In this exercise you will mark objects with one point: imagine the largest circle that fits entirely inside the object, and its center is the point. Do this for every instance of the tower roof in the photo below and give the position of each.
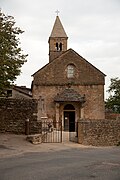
(58, 30)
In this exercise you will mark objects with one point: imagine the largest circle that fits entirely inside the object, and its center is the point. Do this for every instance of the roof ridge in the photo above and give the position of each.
(70, 49)
(50, 62)
(87, 61)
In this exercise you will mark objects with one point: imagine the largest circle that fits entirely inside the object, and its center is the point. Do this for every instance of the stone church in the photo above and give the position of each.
(69, 88)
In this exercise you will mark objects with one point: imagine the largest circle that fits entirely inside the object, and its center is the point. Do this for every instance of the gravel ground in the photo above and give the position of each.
(12, 145)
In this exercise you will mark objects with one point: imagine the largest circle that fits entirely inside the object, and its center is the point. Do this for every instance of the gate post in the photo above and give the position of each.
(77, 129)
(57, 105)
(61, 129)
(27, 127)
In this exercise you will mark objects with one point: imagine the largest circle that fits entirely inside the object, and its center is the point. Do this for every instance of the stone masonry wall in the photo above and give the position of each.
(55, 73)
(15, 112)
(94, 106)
(109, 115)
(99, 132)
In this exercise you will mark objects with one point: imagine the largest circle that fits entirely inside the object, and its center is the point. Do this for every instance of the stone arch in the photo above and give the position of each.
(69, 107)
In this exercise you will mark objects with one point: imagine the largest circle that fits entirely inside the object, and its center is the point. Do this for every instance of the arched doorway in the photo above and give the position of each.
(69, 118)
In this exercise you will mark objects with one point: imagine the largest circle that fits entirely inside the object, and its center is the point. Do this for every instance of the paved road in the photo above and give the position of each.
(67, 164)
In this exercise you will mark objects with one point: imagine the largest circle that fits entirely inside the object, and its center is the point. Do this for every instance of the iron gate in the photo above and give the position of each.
(73, 132)
(51, 132)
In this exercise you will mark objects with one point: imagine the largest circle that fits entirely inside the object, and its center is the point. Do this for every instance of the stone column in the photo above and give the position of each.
(82, 113)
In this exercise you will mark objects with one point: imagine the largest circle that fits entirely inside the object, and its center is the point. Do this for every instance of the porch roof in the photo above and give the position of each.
(69, 95)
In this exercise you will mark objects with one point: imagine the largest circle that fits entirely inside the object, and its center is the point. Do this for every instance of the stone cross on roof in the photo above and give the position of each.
(57, 12)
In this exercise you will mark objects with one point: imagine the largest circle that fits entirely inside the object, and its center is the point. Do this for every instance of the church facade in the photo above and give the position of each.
(68, 88)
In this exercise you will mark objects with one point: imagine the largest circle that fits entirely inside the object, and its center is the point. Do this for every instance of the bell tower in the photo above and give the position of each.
(57, 40)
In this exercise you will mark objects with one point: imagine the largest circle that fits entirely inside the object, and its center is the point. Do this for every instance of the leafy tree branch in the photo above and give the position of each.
(11, 56)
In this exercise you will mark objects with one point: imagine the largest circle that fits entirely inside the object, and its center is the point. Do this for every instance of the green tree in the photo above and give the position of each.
(11, 56)
(113, 102)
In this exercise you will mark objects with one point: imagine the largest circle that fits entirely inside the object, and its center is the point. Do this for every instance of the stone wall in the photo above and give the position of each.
(53, 79)
(99, 132)
(109, 115)
(55, 73)
(94, 106)
(15, 112)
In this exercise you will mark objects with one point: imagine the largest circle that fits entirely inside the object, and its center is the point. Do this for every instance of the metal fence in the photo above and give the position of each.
(51, 132)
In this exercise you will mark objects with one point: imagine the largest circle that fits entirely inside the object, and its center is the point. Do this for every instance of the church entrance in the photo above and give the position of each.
(69, 118)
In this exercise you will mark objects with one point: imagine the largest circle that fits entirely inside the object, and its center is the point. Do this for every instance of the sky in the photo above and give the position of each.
(92, 27)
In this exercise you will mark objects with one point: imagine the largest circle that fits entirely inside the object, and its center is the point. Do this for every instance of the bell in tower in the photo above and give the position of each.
(57, 40)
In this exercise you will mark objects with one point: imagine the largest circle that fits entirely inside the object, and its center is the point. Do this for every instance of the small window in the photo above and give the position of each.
(58, 46)
(9, 93)
(70, 71)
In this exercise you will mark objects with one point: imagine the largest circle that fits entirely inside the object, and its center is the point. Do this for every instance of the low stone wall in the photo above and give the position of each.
(109, 115)
(15, 112)
(99, 132)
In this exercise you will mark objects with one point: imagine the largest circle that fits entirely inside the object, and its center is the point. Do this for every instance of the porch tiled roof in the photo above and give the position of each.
(69, 95)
